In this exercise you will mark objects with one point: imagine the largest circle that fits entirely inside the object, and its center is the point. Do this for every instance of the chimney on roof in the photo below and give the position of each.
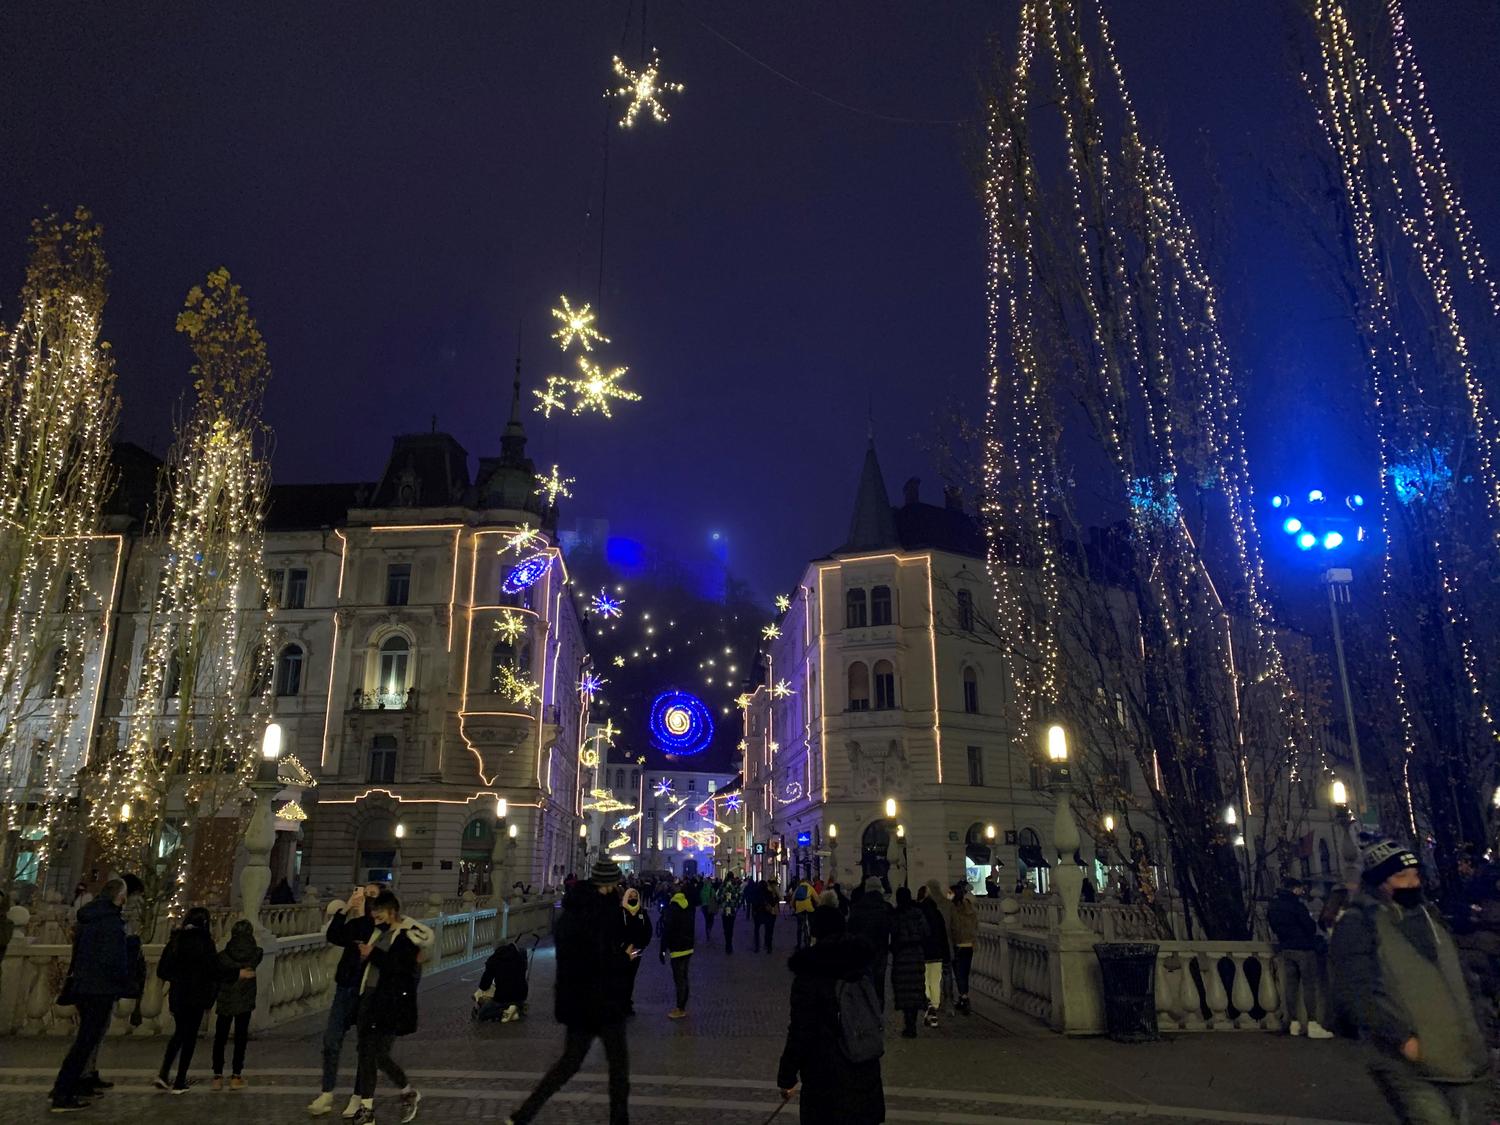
(953, 498)
(910, 489)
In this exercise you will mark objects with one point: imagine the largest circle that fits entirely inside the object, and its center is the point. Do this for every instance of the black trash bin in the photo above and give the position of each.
(1128, 971)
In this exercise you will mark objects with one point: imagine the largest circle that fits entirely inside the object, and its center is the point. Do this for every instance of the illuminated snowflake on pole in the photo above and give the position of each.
(520, 691)
(554, 486)
(577, 324)
(783, 603)
(605, 606)
(743, 745)
(590, 684)
(595, 387)
(742, 701)
(771, 632)
(732, 802)
(510, 626)
(550, 400)
(642, 88)
(663, 787)
(782, 690)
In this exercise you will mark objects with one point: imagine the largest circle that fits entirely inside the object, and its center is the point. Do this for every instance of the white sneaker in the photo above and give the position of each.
(1294, 1028)
(511, 1014)
(352, 1108)
(1316, 1031)
(322, 1105)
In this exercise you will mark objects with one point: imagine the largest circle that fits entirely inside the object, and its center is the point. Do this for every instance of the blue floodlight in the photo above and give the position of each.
(1281, 501)
(1316, 496)
(1355, 501)
(1332, 540)
(1292, 525)
(1307, 540)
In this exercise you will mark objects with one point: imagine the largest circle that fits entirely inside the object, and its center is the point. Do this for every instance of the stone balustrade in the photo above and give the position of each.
(1217, 986)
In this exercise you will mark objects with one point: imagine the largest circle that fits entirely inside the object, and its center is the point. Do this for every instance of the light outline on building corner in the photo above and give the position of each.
(333, 652)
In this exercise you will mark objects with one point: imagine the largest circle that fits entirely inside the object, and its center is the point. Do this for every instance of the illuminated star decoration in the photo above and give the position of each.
(642, 89)
(510, 626)
(782, 690)
(607, 732)
(605, 606)
(596, 386)
(732, 802)
(590, 758)
(590, 684)
(743, 745)
(518, 690)
(550, 400)
(522, 539)
(783, 603)
(619, 662)
(641, 761)
(742, 701)
(554, 486)
(663, 787)
(771, 632)
(577, 324)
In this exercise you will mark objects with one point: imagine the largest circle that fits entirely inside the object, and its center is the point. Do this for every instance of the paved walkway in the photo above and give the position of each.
(720, 1063)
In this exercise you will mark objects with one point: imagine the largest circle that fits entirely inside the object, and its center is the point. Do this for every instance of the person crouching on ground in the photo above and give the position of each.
(677, 947)
(388, 1002)
(1400, 977)
(238, 961)
(592, 991)
(350, 927)
(190, 964)
(835, 1036)
(637, 925)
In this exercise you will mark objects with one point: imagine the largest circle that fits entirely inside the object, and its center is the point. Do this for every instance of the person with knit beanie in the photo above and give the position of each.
(1398, 974)
(238, 961)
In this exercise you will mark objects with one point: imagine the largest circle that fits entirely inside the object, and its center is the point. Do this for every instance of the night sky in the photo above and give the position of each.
(404, 190)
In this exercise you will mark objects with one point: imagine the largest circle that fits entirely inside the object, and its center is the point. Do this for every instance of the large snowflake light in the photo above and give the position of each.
(782, 690)
(663, 787)
(732, 802)
(510, 626)
(783, 603)
(518, 689)
(595, 387)
(642, 89)
(605, 606)
(619, 662)
(771, 632)
(577, 324)
(589, 685)
(550, 400)
(522, 539)
(554, 486)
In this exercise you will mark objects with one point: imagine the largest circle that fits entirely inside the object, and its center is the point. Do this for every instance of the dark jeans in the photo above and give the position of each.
(909, 1020)
(708, 924)
(93, 1022)
(804, 928)
(241, 1025)
(185, 1026)
(877, 967)
(575, 1050)
(375, 1053)
(766, 922)
(1416, 1101)
(963, 958)
(635, 971)
(340, 1020)
(680, 979)
(728, 932)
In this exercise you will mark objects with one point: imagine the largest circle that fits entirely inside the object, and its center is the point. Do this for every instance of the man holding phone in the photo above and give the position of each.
(349, 928)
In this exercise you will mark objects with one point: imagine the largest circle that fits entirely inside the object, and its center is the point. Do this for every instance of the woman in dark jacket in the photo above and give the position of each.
(637, 925)
(833, 1088)
(909, 936)
(238, 961)
(190, 964)
(388, 1002)
(936, 952)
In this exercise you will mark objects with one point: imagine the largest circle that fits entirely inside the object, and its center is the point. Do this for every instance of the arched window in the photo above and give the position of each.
(289, 671)
(966, 611)
(499, 659)
(395, 662)
(619, 779)
(383, 758)
(854, 604)
(885, 685)
(880, 605)
(635, 778)
(971, 692)
(859, 687)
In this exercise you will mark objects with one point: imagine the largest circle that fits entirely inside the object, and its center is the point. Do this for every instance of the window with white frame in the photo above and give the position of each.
(971, 691)
(885, 685)
(880, 606)
(398, 584)
(394, 670)
(859, 687)
(289, 671)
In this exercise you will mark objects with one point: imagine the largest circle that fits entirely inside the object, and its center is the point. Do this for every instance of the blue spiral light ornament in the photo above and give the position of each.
(680, 724)
(526, 573)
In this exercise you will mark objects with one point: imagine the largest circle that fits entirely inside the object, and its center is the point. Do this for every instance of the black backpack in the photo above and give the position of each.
(861, 1035)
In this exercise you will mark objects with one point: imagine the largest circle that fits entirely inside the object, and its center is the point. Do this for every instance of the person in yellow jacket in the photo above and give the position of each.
(677, 945)
(804, 902)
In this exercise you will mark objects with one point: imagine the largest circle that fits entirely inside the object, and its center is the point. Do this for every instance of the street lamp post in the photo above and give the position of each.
(1065, 838)
(499, 850)
(1338, 579)
(833, 853)
(905, 862)
(260, 835)
(1348, 846)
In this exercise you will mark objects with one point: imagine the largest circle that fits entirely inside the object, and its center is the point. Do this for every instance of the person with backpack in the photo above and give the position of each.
(870, 918)
(677, 947)
(388, 1003)
(729, 908)
(767, 906)
(98, 975)
(835, 1036)
(238, 961)
(909, 938)
(637, 926)
(708, 902)
(964, 933)
(937, 954)
(804, 902)
(349, 927)
(190, 965)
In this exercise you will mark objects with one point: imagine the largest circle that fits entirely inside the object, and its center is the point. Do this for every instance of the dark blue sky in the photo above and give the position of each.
(399, 187)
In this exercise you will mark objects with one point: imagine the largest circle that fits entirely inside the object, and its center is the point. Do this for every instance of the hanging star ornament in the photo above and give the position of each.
(605, 606)
(577, 324)
(590, 684)
(643, 88)
(554, 486)
(595, 387)
(783, 603)
(771, 632)
(619, 662)
(522, 540)
(742, 701)
(782, 690)
(517, 689)
(549, 399)
(510, 626)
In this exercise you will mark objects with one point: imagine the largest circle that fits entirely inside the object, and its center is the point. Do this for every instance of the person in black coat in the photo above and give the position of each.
(909, 938)
(637, 925)
(833, 1088)
(190, 964)
(592, 991)
(98, 975)
(349, 927)
(870, 918)
(1299, 943)
(388, 1002)
(936, 951)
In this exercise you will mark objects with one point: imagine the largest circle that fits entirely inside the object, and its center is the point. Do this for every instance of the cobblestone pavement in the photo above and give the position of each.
(720, 1063)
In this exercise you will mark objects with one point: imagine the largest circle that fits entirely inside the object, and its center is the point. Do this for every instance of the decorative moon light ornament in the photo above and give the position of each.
(526, 573)
(680, 723)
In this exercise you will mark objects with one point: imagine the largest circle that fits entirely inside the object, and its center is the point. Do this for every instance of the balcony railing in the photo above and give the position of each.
(380, 700)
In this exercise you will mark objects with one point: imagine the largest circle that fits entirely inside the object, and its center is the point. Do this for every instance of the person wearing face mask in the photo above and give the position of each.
(637, 936)
(1400, 978)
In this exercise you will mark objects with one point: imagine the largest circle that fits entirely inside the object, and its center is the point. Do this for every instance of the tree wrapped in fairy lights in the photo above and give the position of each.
(57, 416)
(203, 687)
(1426, 309)
(1112, 402)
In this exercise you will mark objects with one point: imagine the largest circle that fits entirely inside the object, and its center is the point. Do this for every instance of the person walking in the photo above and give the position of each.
(190, 965)
(768, 905)
(936, 951)
(804, 902)
(637, 929)
(1299, 943)
(909, 937)
(349, 927)
(591, 998)
(98, 975)
(677, 947)
(238, 961)
(1400, 977)
(870, 919)
(964, 932)
(729, 909)
(392, 958)
(708, 902)
(823, 1031)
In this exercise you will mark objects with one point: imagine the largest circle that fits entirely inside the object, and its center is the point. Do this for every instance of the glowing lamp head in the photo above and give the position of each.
(833, 831)
(1109, 824)
(1291, 525)
(270, 742)
(1340, 793)
(502, 808)
(400, 831)
(1316, 496)
(1057, 743)
(900, 831)
(1307, 541)
(1495, 800)
(1355, 501)
(989, 831)
(583, 831)
(513, 831)
(1230, 816)
(1332, 540)
(890, 806)
(125, 813)
(1280, 501)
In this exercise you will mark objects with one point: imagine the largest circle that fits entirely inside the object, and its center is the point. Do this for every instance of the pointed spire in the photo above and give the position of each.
(873, 523)
(513, 442)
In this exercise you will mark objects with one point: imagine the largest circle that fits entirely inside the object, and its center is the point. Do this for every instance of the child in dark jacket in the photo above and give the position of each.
(238, 961)
(190, 964)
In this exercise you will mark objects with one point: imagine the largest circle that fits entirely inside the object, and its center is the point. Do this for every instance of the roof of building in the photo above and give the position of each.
(872, 524)
(914, 526)
(303, 506)
(424, 471)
